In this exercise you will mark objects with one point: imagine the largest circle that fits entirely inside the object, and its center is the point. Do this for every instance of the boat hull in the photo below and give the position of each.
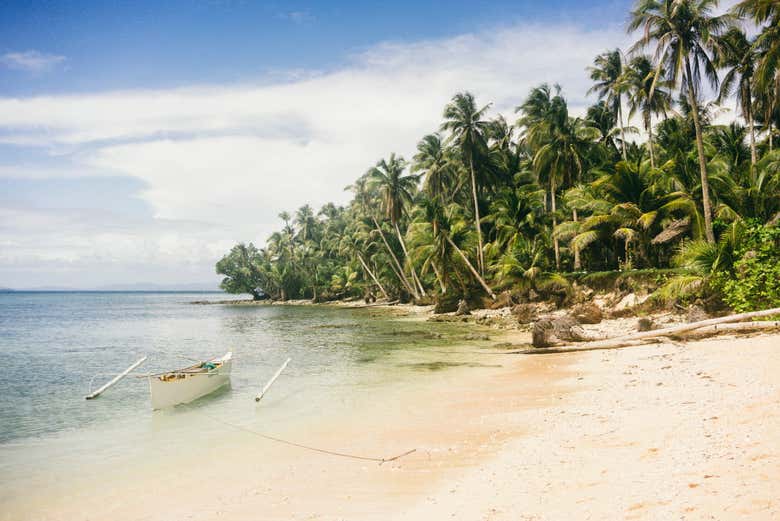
(187, 387)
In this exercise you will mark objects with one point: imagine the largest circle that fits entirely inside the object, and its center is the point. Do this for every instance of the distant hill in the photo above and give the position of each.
(149, 286)
(140, 286)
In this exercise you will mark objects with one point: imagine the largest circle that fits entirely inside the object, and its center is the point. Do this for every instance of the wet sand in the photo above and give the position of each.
(665, 431)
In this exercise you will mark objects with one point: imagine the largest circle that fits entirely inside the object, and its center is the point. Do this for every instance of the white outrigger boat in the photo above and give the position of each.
(185, 385)
(188, 384)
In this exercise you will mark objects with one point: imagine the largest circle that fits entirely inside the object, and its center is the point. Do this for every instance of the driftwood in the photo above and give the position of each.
(547, 331)
(713, 325)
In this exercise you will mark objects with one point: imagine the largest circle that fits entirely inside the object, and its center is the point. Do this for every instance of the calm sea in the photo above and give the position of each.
(53, 344)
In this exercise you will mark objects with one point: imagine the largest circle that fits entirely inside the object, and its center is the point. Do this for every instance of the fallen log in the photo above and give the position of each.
(627, 340)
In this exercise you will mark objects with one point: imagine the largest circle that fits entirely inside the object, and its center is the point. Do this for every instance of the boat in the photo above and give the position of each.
(190, 383)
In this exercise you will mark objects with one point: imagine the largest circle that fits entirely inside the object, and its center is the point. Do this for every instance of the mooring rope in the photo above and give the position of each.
(300, 445)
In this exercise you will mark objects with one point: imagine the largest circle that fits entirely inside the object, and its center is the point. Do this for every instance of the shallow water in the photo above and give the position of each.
(52, 344)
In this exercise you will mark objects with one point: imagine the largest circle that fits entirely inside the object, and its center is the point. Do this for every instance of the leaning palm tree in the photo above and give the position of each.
(396, 191)
(468, 127)
(646, 95)
(363, 201)
(607, 72)
(738, 56)
(684, 32)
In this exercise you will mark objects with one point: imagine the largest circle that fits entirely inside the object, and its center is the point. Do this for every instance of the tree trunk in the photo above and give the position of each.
(480, 260)
(705, 182)
(406, 254)
(473, 271)
(400, 271)
(577, 264)
(751, 127)
(619, 341)
(555, 223)
(371, 274)
(650, 139)
(622, 129)
(439, 277)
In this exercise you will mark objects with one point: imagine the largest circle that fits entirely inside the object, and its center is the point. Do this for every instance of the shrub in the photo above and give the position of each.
(754, 283)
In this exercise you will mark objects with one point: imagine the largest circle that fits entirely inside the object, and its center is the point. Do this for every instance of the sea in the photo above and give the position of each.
(57, 346)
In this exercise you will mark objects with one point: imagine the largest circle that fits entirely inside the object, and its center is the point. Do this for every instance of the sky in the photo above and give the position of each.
(140, 140)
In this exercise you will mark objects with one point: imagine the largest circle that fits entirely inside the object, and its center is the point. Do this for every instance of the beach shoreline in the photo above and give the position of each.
(658, 431)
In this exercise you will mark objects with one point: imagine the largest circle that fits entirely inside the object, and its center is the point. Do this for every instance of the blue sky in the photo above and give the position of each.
(139, 140)
(141, 44)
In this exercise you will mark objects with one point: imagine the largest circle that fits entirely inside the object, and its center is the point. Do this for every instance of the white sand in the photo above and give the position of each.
(653, 432)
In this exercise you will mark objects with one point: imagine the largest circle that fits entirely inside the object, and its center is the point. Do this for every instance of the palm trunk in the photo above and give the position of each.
(473, 271)
(411, 266)
(628, 259)
(399, 271)
(650, 139)
(480, 260)
(577, 264)
(371, 274)
(439, 277)
(622, 130)
(555, 223)
(751, 128)
(705, 183)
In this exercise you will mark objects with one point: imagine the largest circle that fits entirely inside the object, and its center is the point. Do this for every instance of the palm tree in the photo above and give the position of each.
(646, 95)
(560, 143)
(363, 200)
(465, 121)
(684, 33)
(306, 223)
(432, 160)
(768, 41)
(738, 56)
(397, 192)
(602, 117)
(607, 72)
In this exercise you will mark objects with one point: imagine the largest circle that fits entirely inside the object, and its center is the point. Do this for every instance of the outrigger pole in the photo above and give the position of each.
(116, 380)
(272, 380)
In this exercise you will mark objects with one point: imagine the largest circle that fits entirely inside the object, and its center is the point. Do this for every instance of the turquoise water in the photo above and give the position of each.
(53, 344)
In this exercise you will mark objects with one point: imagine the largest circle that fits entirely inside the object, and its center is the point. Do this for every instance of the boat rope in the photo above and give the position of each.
(300, 445)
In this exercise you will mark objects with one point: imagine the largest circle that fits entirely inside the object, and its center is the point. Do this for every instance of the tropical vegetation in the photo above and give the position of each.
(487, 204)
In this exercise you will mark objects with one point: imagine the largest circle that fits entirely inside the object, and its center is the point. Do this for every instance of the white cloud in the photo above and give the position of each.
(236, 155)
(298, 17)
(31, 61)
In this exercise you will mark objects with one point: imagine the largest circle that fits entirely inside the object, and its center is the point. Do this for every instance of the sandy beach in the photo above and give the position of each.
(662, 431)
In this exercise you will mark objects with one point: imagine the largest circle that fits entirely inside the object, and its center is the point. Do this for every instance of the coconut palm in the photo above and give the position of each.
(647, 95)
(738, 56)
(684, 32)
(306, 222)
(435, 163)
(468, 128)
(363, 200)
(560, 143)
(396, 191)
(607, 72)
(766, 13)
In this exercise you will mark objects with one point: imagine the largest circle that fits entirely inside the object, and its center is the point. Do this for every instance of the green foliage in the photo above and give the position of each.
(488, 205)
(754, 283)
(242, 270)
